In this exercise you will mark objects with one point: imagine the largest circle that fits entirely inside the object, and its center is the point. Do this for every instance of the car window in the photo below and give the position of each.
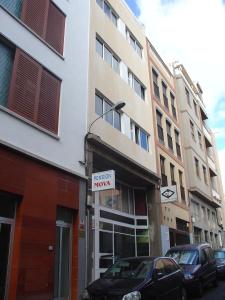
(169, 266)
(219, 254)
(184, 257)
(204, 257)
(160, 267)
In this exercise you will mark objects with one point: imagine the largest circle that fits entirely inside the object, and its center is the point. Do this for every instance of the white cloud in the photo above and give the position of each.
(222, 166)
(190, 31)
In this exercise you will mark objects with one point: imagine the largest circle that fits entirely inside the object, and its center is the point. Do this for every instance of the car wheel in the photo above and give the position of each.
(183, 294)
(199, 290)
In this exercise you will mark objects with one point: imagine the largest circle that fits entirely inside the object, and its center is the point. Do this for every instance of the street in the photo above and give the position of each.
(212, 293)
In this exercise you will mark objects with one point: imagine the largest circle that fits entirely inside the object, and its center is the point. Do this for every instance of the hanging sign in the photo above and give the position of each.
(103, 181)
(168, 193)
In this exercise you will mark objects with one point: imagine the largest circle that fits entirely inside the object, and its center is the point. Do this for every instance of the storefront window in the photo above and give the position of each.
(106, 198)
(124, 245)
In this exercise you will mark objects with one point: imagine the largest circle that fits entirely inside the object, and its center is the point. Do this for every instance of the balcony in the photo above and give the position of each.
(164, 181)
(156, 90)
(170, 142)
(182, 193)
(178, 150)
(160, 134)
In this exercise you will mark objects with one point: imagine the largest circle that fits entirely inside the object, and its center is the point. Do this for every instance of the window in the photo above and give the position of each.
(155, 83)
(165, 99)
(139, 136)
(182, 190)
(48, 23)
(169, 137)
(159, 126)
(197, 167)
(113, 117)
(172, 168)
(133, 42)
(196, 108)
(173, 107)
(34, 93)
(188, 96)
(200, 139)
(108, 55)
(205, 174)
(177, 139)
(192, 130)
(110, 13)
(136, 85)
(163, 171)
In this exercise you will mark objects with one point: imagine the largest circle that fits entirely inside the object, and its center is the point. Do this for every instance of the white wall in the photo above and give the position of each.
(67, 149)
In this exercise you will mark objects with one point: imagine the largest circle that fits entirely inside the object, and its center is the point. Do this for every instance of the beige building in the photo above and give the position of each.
(175, 218)
(201, 163)
(123, 221)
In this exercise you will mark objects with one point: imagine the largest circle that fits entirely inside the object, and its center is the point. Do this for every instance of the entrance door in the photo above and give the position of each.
(5, 238)
(62, 261)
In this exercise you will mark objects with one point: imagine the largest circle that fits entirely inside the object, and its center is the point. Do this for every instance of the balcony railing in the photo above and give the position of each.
(156, 90)
(182, 193)
(164, 180)
(178, 150)
(170, 142)
(160, 133)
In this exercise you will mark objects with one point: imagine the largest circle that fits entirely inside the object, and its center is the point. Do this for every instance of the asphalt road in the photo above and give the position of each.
(212, 293)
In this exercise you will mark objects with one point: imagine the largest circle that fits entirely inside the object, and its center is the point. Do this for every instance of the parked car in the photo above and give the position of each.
(139, 278)
(220, 262)
(198, 264)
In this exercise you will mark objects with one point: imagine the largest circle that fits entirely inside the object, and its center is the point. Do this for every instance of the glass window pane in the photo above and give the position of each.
(116, 65)
(131, 201)
(107, 56)
(6, 64)
(100, 3)
(99, 47)
(14, 6)
(117, 121)
(109, 115)
(106, 198)
(125, 199)
(7, 205)
(64, 214)
(137, 87)
(144, 140)
(142, 93)
(117, 201)
(124, 245)
(105, 242)
(98, 105)
(107, 9)
(132, 42)
(114, 19)
(137, 135)
(139, 50)
(142, 244)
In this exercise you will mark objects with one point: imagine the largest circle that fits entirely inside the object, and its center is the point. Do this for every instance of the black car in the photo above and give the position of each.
(139, 278)
(198, 264)
(220, 262)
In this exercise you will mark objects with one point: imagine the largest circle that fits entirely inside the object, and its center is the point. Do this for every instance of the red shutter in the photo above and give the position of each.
(48, 109)
(35, 15)
(24, 87)
(55, 28)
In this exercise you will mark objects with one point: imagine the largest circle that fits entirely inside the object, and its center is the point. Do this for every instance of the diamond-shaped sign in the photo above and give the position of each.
(169, 193)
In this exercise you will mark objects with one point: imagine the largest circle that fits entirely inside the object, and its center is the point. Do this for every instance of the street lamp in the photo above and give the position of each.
(117, 106)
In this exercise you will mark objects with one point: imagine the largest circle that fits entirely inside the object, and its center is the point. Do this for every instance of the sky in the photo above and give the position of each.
(192, 32)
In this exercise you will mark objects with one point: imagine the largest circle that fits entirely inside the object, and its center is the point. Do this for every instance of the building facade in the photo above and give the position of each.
(123, 221)
(175, 217)
(201, 163)
(42, 124)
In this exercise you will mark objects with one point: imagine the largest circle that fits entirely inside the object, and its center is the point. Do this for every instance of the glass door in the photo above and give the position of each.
(62, 261)
(5, 238)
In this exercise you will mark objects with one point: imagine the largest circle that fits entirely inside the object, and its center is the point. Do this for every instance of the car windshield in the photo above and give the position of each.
(129, 268)
(219, 254)
(184, 257)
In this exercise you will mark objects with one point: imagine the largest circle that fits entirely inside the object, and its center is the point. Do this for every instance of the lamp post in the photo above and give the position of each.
(88, 162)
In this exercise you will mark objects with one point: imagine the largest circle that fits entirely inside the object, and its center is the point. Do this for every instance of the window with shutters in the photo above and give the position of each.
(28, 89)
(43, 17)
